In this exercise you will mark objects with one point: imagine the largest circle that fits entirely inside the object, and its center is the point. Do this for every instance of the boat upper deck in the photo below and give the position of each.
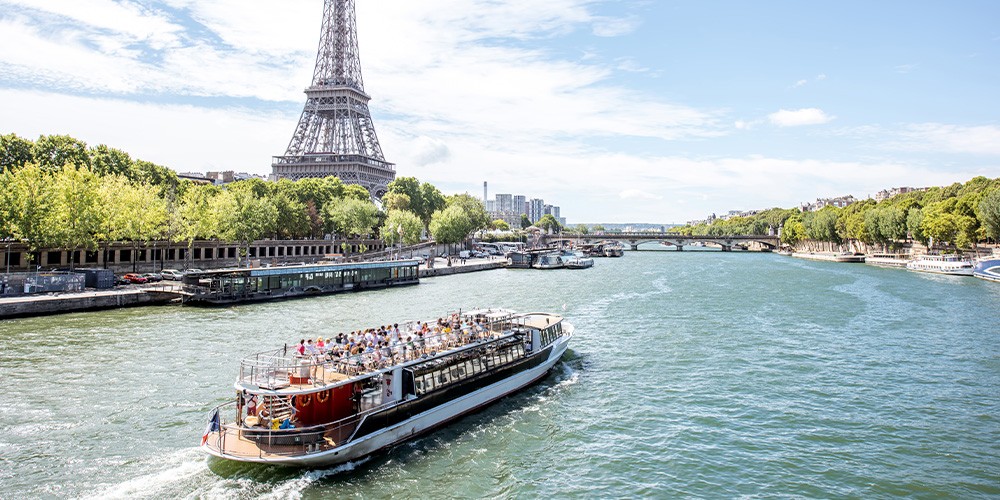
(309, 367)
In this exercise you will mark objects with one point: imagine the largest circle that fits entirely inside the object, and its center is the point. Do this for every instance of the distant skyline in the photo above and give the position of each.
(618, 111)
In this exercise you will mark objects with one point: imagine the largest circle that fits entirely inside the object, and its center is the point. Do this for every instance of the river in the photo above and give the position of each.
(690, 374)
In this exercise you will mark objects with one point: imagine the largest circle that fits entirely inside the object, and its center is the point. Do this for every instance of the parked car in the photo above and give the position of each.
(120, 281)
(135, 279)
(152, 277)
(193, 271)
(171, 274)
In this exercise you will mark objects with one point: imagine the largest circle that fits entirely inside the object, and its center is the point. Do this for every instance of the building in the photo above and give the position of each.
(535, 209)
(885, 194)
(821, 203)
(505, 203)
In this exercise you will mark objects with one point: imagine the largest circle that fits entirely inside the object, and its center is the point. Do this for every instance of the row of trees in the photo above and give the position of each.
(960, 214)
(58, 193)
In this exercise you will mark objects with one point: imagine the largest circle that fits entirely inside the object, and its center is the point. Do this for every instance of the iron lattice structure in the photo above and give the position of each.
(335, 135)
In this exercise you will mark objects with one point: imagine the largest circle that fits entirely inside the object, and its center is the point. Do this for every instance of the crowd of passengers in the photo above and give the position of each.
(375, 348)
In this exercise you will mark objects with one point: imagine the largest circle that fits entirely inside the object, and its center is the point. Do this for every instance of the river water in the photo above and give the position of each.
(691, 374)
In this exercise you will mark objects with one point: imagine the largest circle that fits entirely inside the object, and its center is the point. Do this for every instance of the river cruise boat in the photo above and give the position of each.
(941, 264)
(321, 409)
(988, 268)
(887, 259)
(229, 286)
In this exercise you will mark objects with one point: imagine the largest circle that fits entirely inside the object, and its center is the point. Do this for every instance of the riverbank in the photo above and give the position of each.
(134, 296)
(43, 305)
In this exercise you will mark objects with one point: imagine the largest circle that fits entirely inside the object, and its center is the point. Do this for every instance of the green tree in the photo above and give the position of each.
(109, 161)
(27, 204)
(53, 152)
(988, 213)
(75, 218)
(351, 216)
(197, 217)
(402, 226)
(425, 199)
(914, 224)
(822, 225)
(478, 218)
(548, 222)
(243, 218)
(525, 221)
(793, 231)
(133, 213)
(582, 229)
(144, 172)
(293, 220)
(500, 225)
(451, 225)
(598, 229)
(15, 152)
(396, 201)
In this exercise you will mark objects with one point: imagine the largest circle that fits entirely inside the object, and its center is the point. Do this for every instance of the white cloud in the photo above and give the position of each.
(637, 194)
(615, 26)
(905, 68)
(800, 83)
(983, 139)
(820, 77)
(798, 117)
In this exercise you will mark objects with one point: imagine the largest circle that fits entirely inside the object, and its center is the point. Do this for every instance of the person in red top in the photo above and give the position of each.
(301, 349)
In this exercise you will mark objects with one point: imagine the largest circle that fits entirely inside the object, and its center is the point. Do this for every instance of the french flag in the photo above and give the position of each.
(213, 426)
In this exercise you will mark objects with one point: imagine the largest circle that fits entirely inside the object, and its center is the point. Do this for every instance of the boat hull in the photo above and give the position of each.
(419, 424)
(988, 269)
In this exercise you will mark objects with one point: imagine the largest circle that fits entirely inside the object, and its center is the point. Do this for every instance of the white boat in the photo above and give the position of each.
(321, 410)
(988, 268)
(888, 259)
(551, 260)
(941, 264)
(578, 262)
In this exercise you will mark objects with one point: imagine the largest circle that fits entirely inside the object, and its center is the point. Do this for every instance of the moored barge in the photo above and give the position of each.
(324, 409)
(230, 286)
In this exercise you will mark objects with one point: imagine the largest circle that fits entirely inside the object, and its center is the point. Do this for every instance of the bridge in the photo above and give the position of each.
(759, 242)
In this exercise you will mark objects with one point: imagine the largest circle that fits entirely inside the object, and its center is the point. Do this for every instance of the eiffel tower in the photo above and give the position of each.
(335, 135)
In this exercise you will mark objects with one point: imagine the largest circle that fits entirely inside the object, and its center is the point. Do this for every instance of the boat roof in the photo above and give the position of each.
(307, 268)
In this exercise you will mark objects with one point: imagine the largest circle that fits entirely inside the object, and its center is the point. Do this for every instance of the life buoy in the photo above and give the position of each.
(322, 397)
(304, 400)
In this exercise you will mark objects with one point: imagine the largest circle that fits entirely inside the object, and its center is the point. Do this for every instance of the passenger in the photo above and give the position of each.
(311, 348)
(320, 345)
(302, 347)
(252, 405)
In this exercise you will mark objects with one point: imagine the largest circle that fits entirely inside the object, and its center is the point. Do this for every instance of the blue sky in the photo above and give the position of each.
(618, 111)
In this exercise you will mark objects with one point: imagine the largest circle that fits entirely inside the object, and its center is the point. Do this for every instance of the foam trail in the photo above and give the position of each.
(185, 464)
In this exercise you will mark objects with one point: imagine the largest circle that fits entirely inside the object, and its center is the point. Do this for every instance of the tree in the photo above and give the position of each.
(582, 229)
(356, 192)
(76, 212)
(133, 213)
(15, 152)
(793, 231)
(451, 225)
(548, 222)
(478, 218)
(402, 226)
(197, 216)
(26, 204)
(292, 221)
(396, 201)
(598, 229)
(500, 225)
(109, 161)
(243, 218)
(525, 221)
(53, 152)
(914, 224)
(988, 213)
(351, 216)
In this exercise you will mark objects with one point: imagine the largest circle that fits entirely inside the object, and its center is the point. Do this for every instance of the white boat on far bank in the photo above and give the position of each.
(888, 259)
(942, 264)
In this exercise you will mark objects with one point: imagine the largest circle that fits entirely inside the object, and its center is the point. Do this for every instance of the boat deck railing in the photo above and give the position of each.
(237, 439)
(282, 368)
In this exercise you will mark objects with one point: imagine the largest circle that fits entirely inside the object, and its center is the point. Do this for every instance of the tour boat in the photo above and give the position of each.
(941, 264)
(320, 410)
(551, 260)
(988, 268)
(578, 262)
(887, 259)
